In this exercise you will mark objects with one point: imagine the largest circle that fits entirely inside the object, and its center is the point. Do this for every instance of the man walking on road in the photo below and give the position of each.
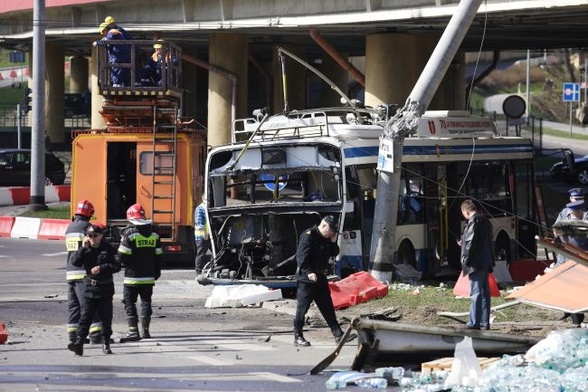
(316, 247)
(140, 254)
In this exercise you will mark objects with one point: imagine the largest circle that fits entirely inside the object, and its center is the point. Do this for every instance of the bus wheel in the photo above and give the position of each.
(405, 254)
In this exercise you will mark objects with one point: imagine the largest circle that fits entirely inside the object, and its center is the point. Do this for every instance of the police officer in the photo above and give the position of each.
(315, 248)
(74, 235)
(140, 253)
(100, 261)
(576, 194)
(576, 210)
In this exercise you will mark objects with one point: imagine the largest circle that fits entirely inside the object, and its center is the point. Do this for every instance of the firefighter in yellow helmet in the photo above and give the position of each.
(140, 254)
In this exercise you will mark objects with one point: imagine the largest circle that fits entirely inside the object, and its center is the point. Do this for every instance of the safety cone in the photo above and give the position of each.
(3, 333)
(462, 286)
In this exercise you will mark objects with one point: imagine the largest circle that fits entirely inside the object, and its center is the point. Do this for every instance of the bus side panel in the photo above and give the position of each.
(89, 173)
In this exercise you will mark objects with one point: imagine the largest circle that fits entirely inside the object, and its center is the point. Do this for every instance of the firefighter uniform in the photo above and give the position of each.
(140, 254)
(100, 261)
(74, 234)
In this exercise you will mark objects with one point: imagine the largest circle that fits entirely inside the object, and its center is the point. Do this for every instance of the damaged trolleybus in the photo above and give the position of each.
(290, 170)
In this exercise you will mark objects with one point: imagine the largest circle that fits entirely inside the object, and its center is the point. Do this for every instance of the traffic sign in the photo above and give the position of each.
(269, 181)
(571, 92)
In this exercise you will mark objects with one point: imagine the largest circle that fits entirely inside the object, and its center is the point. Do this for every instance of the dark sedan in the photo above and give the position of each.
(15, 168)
(578, 172)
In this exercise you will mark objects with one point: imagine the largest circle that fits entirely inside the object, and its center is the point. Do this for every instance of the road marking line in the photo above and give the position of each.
(54, 254)
(276, 377)
(211, 361)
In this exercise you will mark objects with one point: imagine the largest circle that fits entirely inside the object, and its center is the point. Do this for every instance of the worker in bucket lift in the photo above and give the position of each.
(140, 254)
(316, 247)
(74, 236)
(157, 65)
(117, 54)
(111, 24)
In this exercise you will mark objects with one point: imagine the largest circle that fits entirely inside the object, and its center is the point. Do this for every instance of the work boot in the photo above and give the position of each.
(96, 337)
(299, 340)
(133, 333)
(145, 321)
(72, 337)
(77, 347)
(577, 319)
(106, 346)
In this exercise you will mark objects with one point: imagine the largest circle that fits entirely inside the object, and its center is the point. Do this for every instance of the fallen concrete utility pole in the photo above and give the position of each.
(403, 124)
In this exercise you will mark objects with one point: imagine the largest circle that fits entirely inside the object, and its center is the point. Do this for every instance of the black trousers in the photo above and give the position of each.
(320, 294)
(202, 246)
(97, 303)
(75, 299)
(130, 295)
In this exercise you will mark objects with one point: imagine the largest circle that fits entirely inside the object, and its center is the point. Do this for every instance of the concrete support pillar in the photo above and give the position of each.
(189, 82)
(394, 63)
(229, 52)
(54, 90)
(97, 122)
(79, 75)
(295, 81)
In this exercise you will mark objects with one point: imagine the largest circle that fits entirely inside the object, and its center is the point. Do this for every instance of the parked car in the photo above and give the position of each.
(76, 105)
(578, 172)
(15, 168)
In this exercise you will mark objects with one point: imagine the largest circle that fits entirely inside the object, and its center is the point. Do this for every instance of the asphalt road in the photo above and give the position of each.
(193, 348)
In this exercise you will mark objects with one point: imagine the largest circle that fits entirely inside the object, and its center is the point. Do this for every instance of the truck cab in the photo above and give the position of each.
(147, 153)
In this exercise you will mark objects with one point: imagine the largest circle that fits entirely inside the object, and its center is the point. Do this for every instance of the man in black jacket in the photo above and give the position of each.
(315, 248)
(140, 254)
(100, 261)
(477, 260)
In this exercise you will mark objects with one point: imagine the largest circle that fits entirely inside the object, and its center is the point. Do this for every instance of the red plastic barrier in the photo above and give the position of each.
(355, 289)
(3, 333)
(53, 229)
(64, 192)
(526, 270)
(462, 286)
(341, 296)
(21, 196)
(6, 223)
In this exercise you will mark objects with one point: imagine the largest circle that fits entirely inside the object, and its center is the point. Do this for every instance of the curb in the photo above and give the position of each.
(22, 195)
(33, 228)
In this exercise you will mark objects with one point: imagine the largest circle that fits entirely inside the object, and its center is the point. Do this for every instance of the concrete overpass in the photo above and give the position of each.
(394, 37)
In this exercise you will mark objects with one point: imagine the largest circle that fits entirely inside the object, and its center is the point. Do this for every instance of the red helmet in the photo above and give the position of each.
(136, 211)
(85, 208)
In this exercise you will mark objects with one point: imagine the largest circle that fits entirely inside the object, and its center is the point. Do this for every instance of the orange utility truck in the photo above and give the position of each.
(147, 153)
